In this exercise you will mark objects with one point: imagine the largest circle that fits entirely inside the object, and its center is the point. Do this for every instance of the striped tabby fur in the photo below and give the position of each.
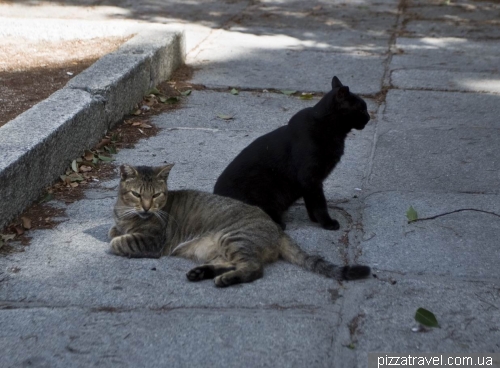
(232, 240)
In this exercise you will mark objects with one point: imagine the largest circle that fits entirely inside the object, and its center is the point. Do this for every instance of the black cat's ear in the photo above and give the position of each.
(127, 172)
(342, 93)
(163, 171)
(336, 83)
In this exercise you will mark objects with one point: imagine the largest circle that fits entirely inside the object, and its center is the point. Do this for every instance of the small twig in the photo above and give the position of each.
(448, 213)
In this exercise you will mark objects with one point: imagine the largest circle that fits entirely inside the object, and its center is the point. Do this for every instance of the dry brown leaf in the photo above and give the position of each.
(88, 155)
(103, 143)
(137, 123)
(145, 126)
(85, 168)
(73, 185)
(7, 237)
(26, 222)
(19, 230)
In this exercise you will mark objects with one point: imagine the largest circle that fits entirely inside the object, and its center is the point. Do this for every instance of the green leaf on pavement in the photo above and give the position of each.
(287, 92)
(426, 318)
(74, 166)
(186, 93)
(306, 96)
(234, 91)
(411, 214)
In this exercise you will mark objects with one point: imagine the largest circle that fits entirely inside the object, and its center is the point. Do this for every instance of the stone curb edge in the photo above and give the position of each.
(39, 144)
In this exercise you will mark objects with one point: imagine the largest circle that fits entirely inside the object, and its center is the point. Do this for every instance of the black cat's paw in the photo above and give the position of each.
(331, 225)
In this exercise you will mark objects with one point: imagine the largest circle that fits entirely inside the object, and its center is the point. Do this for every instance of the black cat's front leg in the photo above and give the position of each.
(317, 210)
(276, 217)
(136, 245)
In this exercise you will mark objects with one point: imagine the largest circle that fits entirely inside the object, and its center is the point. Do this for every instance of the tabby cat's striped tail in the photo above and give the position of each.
(292, 253)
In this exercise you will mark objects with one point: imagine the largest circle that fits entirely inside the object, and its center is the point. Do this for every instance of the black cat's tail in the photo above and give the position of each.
(292, 253)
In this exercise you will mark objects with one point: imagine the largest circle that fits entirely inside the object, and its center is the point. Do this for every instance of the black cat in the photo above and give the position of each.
(292, 161)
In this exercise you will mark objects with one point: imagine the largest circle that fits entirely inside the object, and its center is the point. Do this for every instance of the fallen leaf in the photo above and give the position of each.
(186, 93)
(172, 100)
(49, 196)
(19, 230)
(106, 158)
(137, 123)
(102, 143)
(85, 168)
(234, 91)
(111, 149)
(26, 222)
(137, 112)
(153, 91)
(7, 237)
(411, 214)
(142, 131)
(145, 126)
(73, 185)
(306, 96)
(287, 92)
(163, 99)
(225, 117)
(73, 177)
(426, 318)
(74, 166)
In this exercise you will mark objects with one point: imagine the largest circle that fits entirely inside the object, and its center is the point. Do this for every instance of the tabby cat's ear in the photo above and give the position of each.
(163, 171)
(127, 171)
(336, 83)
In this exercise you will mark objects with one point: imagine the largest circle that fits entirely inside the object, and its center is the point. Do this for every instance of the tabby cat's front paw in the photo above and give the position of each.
(113, 232)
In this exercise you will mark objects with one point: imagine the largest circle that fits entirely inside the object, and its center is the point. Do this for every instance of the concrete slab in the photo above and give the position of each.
(350, 41)
(461, 245)
(448, 53)
(461, 13)
(467, 313)
(326, 16)
(451, 28)
(409, 110)
(243, 60)
(438, 159)
(444, 80)
(74, 337)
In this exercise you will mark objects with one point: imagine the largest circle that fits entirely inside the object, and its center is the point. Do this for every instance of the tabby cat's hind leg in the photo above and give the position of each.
(245, 272)
(208, 271)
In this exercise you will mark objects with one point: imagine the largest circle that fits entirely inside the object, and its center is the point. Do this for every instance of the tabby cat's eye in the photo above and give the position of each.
(156, 195)
(135, 194)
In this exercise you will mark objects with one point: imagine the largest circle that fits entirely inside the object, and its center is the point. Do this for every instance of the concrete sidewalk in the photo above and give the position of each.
(429, 73)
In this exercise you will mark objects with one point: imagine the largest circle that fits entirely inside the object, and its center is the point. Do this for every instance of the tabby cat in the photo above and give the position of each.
(293, 161)
(232, 240)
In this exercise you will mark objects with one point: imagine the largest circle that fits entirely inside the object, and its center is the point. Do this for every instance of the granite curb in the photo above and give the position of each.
(39, 144)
